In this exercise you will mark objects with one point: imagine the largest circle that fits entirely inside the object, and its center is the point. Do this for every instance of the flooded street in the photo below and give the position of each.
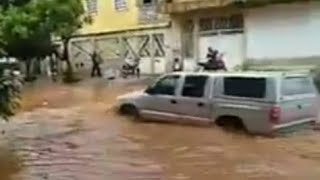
(72, 133)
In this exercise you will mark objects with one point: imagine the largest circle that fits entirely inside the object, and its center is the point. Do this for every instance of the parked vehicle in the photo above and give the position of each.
(131, 67)
(263, 102)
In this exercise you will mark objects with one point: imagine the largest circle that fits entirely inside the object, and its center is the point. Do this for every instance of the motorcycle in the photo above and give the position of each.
(214, 65)
(131, 68)
(204, 67)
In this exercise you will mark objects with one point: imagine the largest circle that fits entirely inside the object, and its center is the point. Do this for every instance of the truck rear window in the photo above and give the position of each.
(297, 85)
(245, 87)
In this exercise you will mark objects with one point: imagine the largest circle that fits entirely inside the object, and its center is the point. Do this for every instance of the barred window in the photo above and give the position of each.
(92, 6)
(147, 2)
(222, 23)
(206, 24)
(231, 22)
(120, 5)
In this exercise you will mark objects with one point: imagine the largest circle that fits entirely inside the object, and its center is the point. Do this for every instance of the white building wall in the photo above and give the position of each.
(176, 40)
(173, 43)
(283, 32)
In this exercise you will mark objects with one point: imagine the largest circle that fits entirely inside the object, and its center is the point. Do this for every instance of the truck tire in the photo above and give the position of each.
(130, 111)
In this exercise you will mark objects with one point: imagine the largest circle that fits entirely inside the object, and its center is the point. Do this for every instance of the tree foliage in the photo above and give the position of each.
(7, 3)
(10, 88)
(27, 28)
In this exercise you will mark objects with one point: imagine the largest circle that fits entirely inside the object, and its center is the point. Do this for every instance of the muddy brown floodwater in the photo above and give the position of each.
(71, 133)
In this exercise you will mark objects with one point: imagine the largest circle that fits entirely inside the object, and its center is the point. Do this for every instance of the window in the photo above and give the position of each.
(297, 85)
(245, 87)
(120, 5)
(206, 24)
(194, 86)
(231, 22)
(147, 2)
(92, 6)
(166, 86)
(225, 24)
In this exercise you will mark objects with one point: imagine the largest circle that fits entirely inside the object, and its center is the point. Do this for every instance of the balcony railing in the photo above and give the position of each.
(180, 6)
(150, 12)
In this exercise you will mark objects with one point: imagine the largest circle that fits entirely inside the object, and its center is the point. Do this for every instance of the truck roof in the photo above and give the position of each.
(256, 74)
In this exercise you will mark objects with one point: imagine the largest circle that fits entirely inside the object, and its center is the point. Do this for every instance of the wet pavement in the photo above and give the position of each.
(72, 133)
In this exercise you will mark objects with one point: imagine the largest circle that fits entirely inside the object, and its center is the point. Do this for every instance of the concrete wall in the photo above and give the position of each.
(200, 48)
(277, 34)
(283, 32)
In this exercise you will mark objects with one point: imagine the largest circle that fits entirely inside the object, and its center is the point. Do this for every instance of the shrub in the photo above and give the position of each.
(10, 89)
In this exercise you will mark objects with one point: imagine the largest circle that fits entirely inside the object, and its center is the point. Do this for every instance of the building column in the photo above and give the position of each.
(173, 42)
(196, 35)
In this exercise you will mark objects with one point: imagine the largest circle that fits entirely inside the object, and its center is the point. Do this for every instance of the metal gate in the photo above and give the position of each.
(148, 47)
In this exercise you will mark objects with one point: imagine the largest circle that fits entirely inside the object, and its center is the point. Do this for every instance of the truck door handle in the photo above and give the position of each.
(173, 101)
(200, 104)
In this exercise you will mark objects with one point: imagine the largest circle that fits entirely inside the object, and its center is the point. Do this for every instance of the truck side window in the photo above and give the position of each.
(166, 85)
(245, 87)
(297, 86)
(194, 86)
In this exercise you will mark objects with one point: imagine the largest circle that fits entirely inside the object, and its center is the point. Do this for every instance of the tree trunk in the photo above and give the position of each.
(66, 56)
(69, 74)
(28, 63)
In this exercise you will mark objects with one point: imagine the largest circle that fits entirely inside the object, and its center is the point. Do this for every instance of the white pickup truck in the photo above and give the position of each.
(263, 102)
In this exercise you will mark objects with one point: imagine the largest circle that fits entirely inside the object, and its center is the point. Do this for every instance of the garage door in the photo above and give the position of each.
(151, 51)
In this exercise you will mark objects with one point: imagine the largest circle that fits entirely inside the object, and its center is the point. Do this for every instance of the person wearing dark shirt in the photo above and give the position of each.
(214, 63)
(96, 70)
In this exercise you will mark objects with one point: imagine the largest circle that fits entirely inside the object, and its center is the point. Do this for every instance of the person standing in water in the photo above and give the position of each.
(96, 70)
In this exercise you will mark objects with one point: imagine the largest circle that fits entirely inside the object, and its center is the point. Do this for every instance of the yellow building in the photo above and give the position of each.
(123, 29)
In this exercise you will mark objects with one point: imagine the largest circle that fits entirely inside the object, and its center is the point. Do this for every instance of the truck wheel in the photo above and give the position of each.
(130, 110)
(231, 123)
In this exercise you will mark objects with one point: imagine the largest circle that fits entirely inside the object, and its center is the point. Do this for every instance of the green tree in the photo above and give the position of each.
(5, 4)
(24, 36)
(26, 30)
(27, 27)
(10, 88)
(64, 19)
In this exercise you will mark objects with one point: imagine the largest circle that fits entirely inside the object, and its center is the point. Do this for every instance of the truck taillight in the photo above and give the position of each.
(274, 115)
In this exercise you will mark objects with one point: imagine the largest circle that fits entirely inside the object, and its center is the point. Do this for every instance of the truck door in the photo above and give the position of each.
(193, 99)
